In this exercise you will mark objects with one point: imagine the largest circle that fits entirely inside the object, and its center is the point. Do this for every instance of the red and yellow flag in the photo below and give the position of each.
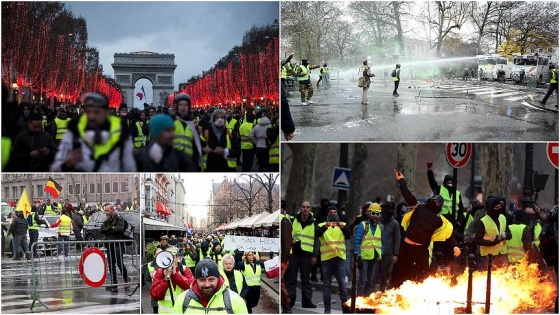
(24, 204)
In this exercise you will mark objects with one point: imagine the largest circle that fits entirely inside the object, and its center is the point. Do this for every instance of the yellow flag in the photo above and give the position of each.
(24, 204)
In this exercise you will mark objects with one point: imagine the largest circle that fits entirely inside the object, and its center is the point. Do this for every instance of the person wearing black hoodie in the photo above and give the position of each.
(304, 254)
(491, 233)
(422, 225)
(391, 243)
(221, 148)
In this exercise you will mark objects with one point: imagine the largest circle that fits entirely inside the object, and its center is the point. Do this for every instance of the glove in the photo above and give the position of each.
(503, 236)
(456, 251)
(398, 174)
(429, 164)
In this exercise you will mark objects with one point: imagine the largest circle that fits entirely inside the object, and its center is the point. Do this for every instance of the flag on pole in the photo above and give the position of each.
(24, 204)
(143, 92)
(140, 95)
(53, 188)
(189, 230)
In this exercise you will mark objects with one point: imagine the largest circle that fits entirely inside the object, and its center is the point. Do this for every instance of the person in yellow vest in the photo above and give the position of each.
(520, 242)
(252, 269)
(445, 191)
(368, 237)
(553, 85)
(332, 234)
(285, 68)
(187, 137)
(60, 125)
(221, 148)
(248, 149)
(216, 254)
(169, 283)
(491, 234)
(234, 279)
(96, 141)
(396, 78)
(49, 208)
(64, 225)
(302, 73)
(35, 222)
(190, 257)
(273, 140)
(6, 151)
(422, 225)
(209, 294)
(305, 250)
(152, 267)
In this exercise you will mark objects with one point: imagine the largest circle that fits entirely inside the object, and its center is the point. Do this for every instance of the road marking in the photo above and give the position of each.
(507, 94)
(489, 92)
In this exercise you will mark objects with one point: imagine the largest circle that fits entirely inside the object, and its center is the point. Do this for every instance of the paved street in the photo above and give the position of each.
(425, 111)
(17, 289)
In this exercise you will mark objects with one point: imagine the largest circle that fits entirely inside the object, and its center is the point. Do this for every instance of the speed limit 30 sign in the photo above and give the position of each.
(458, 154)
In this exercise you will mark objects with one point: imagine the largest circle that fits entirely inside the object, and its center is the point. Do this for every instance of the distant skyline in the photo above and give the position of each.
(197, 33)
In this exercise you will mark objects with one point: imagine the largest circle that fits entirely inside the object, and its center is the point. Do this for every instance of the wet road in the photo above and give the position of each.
(425, 111)
(17, 288)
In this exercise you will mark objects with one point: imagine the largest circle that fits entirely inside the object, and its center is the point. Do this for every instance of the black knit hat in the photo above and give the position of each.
(206, 268)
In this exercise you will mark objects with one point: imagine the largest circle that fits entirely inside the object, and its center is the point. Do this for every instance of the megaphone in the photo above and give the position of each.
(164, 259)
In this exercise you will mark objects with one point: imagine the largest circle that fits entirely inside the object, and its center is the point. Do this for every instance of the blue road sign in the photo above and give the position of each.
(341, 178)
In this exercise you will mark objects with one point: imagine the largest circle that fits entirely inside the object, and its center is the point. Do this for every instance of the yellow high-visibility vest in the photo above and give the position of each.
(490, 233)
(515, 249)
(61, 127)
(332, 243)
(371, 243)
(305, 235)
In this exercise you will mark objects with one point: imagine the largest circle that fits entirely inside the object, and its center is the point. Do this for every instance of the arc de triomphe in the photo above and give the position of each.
(158, 68)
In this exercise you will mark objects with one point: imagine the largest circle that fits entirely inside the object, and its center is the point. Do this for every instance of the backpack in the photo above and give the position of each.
(271, 136)
(128, 230)
(366, 231)
(394, 73)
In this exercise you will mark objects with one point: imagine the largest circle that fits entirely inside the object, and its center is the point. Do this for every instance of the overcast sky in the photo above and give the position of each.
(198, 33)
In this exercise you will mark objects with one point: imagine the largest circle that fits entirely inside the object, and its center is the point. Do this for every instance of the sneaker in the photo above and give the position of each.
(303, 103)
(310, 102)
(327, 312)
(311, 305)
(541, 102)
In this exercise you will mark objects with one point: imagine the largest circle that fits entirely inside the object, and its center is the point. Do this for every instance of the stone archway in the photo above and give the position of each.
(158, 68)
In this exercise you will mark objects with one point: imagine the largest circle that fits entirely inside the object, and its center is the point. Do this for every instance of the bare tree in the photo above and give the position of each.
(268, 181)
(249, 188)
(359, 161)
(302, 176)
(406, 164)
(442, 18)
(481, 15)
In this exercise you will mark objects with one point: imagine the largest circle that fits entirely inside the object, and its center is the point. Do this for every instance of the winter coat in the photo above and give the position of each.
(258, 134)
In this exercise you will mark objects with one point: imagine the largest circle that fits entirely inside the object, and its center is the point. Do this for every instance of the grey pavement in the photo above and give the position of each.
(426, 111)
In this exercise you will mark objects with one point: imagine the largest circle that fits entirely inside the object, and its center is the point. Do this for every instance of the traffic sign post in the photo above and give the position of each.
(341, 178)
(458, 155)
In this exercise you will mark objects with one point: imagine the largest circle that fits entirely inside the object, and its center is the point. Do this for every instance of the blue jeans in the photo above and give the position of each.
(66, 239)
(333, 266)
(368, 272)
(18, 242)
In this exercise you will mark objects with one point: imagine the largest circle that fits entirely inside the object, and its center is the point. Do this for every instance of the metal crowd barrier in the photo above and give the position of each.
(53, 271)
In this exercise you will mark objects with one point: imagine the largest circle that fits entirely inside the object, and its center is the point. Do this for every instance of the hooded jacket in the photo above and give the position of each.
(258, 134)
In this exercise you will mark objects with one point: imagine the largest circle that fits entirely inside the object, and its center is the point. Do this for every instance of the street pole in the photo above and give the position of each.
(453, 200)
(527, 200)
(555, 202)
(473, 157)
(342, 194)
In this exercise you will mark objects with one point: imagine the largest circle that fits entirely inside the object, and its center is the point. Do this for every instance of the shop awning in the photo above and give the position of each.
(161, 208)
(155, 225)
(272, 219)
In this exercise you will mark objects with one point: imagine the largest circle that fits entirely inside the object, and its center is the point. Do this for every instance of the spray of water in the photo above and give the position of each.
(422, 69)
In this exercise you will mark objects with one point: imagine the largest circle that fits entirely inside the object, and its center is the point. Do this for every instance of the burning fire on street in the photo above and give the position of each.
(522, 288)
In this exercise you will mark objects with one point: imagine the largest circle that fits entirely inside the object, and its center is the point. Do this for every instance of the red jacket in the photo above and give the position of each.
(160, 285)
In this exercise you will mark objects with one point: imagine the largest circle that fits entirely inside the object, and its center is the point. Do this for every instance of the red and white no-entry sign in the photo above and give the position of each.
(93, 267)
(552, 153)
(458, 154)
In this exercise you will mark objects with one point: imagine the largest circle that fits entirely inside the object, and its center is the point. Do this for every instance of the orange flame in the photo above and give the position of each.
(520, 288)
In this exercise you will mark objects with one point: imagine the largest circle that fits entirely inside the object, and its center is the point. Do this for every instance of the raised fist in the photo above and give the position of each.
(429, 164)
(398, 174)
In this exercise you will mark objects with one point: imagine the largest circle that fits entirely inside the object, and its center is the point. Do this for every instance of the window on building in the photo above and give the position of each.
(78, 186)
(107, 188)
(92, 188)
(98, 188)
(6, 193)
(21, 189)
(115, 187)
(14, 192)
(70, 189)
(84, 189)
(124, 186)
(39, 191)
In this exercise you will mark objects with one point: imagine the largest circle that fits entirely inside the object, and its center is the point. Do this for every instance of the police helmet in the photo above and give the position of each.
(180, 97)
